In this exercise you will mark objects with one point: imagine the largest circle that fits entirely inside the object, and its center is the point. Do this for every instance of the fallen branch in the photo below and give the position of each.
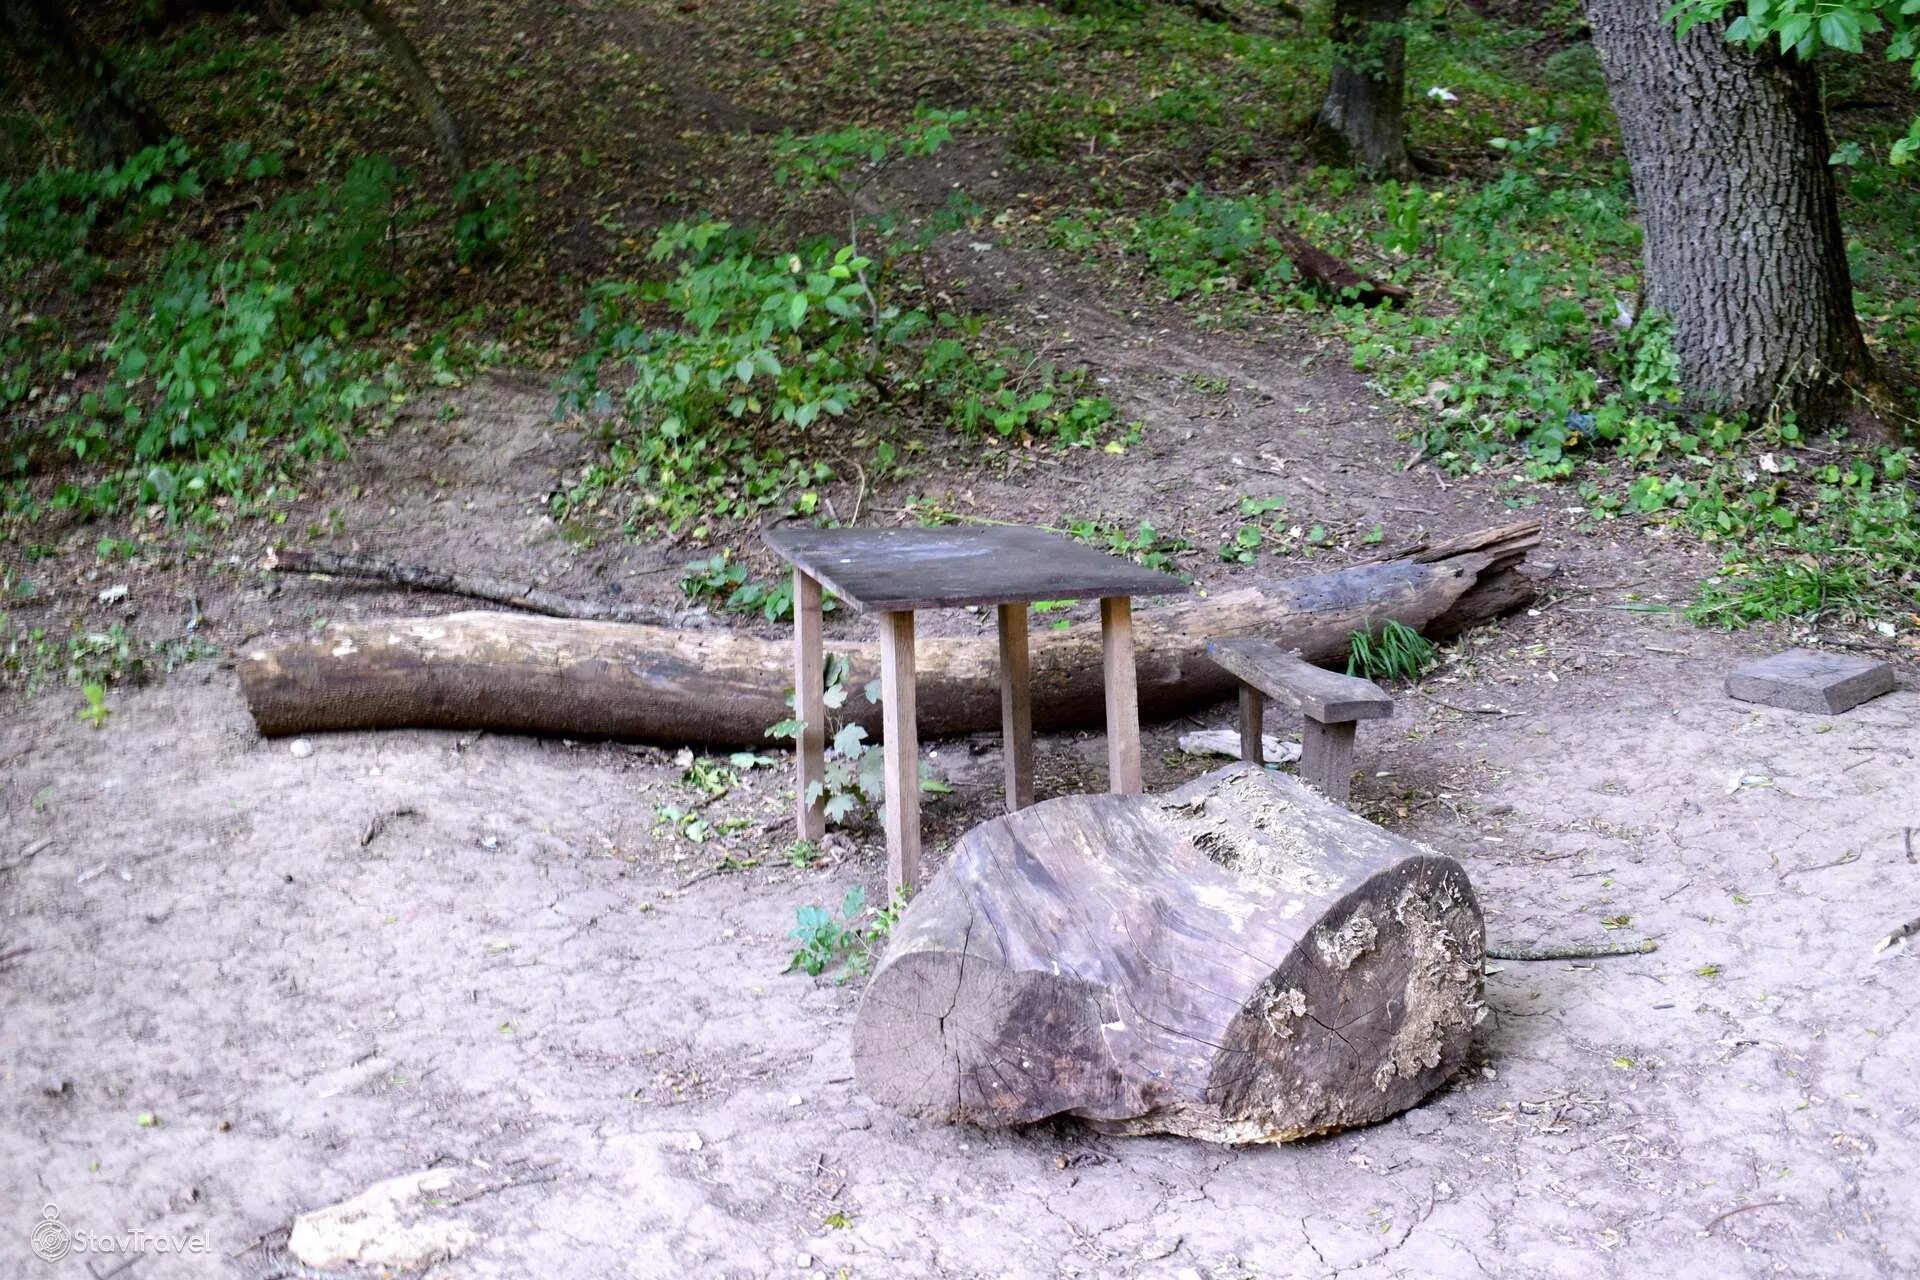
(718, 687)
(473, 586)
(1572, 951)
(1335, 278)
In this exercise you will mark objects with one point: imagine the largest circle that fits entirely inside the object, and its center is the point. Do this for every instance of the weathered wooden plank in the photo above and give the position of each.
(1016, 706)
(901, 743)
(1123, 696)
(1318, 694)
(888, 570)
(809, 707)
(1240, 960)
(1326, 758)
(1252, 715)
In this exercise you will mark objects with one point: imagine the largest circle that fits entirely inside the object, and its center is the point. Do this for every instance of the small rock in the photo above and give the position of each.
(114, 594)
(384, 1226)
(301, 749)
(803, 1260)
(795, 1100)
(1160, 1249)
(1424, 1122)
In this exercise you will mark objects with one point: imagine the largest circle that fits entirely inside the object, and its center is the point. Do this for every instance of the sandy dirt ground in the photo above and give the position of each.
(241, 983)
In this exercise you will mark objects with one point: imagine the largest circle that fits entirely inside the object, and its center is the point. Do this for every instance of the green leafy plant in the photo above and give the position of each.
(492, 207)
(1145, 544)
(230, 351)
(1396, 652)
(96, 711)
(854, 783)
(722, 581)
(847, 942)
(710, 418)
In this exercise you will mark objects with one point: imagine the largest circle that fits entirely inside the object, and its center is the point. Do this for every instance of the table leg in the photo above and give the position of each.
(901, 742)
(1016, 706)
(1123, 697)
(809, 706)
(1252, 713)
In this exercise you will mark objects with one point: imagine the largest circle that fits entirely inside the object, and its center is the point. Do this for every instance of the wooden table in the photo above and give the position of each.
(894, 572)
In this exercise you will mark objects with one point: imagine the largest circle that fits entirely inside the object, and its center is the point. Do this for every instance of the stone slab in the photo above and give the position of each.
(1810, 681)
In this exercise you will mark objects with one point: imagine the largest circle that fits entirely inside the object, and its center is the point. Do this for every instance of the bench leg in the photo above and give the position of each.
(1326, 759)
(1123, 696)
(900, 741)
(809, 706)
(1016, 706)
(1252, 713)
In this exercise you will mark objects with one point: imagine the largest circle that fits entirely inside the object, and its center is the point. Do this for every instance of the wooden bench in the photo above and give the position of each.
(1331, 704)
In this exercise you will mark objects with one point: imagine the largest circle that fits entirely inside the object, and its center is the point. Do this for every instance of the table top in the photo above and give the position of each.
(897, 570)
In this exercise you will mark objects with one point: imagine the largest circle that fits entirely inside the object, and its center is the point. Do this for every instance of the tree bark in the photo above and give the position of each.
(420, 86)
(1363, 120)
(109, 120)
(1240, 960)
(1744, 250)
(724, 688)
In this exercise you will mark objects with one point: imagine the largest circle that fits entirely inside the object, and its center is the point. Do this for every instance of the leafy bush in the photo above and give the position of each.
(492, 206)
(709, 418)
(232, 350)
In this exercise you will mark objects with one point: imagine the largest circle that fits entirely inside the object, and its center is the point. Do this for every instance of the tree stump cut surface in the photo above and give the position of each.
(1239, 960)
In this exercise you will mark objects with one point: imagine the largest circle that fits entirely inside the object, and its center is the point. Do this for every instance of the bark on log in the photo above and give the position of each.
(1335, 279)
(722, 688)
(1240, 960)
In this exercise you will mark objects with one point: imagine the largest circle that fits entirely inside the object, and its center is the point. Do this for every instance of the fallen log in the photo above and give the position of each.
(1334, 278)
(723, 688)
(1239, 960)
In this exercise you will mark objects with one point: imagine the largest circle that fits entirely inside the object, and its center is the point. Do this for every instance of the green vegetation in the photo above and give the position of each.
(846, 943)
(710, 418)
(854, 785)
(743, 314)
(1398, 652)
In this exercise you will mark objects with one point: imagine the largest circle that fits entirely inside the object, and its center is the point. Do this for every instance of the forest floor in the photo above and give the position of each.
(242, 979)
(243, 983)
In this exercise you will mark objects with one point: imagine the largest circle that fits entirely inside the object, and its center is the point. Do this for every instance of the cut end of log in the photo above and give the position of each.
(1241, 961)
(1370, 1013)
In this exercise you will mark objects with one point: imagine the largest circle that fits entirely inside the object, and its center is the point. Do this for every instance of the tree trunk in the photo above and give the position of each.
(420, 86)
(109, 120)
(1744, 250)
(723, 688)
(1363, 120)
(1240, 960)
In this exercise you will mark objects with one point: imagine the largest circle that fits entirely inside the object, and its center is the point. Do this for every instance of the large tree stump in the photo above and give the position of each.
(1240, 960)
